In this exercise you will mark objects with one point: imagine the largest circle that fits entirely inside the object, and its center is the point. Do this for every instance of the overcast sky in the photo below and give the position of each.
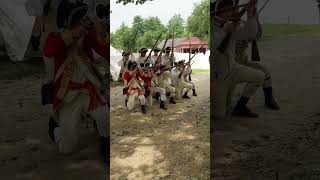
(296, 11)
(164, 9)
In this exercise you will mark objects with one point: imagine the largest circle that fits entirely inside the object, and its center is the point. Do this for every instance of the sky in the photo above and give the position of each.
(294, 11)
(164, 9)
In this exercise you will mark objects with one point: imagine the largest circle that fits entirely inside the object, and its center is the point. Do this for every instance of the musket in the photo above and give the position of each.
(189, 58)
(172, 44)
(224, 44)
(214, 13)
(255, 55)
(189, 62)
(153, 48)
(131, 45)
(164, 45)
(134, 40)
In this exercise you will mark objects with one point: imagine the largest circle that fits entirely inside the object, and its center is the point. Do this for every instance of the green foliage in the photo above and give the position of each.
(149, 29)
(274, 30)
(198, 24)
(176, 23)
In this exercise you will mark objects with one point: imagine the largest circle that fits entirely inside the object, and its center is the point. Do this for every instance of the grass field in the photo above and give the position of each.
(274, 30)
(200, 70)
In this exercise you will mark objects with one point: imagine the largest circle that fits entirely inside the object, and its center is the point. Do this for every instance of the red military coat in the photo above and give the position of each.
(56, 49)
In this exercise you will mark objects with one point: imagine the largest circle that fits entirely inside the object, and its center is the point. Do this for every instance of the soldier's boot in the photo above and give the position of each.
(105, 149)
(270, 102)
(194, 92)
(143, 109)
(242, 110)
(185, 96)
(172, 101)
(162, 106)
(52, 125)
(157, 96)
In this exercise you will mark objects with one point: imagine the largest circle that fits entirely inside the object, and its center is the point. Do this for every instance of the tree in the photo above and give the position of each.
(153, 24)
(138, 25)
(198, 24)
(122, 38)
(176, 23)
(132, 1)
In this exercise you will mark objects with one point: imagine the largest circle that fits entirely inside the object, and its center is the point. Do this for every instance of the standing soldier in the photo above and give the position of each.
(228, 73)
(243, 59)
(167, 58)
(126, 58)
(155, 55)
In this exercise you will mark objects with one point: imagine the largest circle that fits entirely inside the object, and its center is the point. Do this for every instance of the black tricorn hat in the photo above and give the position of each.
(157, 49)
(143, 50)
(132, 65)
(181, 62)
(125, 53)
(147, 65)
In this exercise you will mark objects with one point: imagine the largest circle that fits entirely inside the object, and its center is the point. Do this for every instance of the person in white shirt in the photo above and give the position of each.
(187, 73)
(229, 73)
(142, 58)
(126, 58)
(164, 81)
(155, 55)
(168, 59)
(178, 81)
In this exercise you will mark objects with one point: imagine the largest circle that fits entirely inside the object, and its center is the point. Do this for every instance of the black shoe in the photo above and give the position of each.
(162, 106)
(143, 109)
(52, 126)
(194, 92)
(105, 149)
(172, 101)
(157, 96)
(242, 110)
(270, 102)
(185, 96)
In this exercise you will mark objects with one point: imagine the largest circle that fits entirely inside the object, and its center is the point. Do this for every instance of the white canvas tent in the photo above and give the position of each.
(115, 58)
(15, 27)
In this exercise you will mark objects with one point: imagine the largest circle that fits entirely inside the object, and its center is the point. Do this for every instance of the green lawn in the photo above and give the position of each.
(200, 70)
(274, 30)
